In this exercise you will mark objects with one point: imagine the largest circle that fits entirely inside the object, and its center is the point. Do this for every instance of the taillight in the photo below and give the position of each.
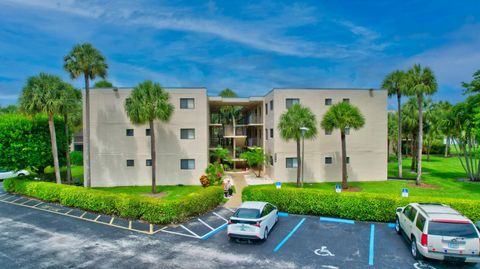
(424, 241)
(230, 222)
(257, 224)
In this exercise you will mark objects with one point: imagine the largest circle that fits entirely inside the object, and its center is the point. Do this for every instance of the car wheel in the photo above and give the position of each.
(265, 234)
(398, 228)
(21, 175)
(414, 250)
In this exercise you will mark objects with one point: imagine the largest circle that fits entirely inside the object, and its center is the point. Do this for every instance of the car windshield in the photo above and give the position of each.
(247, 213)
(466, 230)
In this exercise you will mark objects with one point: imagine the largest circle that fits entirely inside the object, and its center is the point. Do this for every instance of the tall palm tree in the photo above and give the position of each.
(43, 94)
(291, 121)
(421, 82)
(342, 116)
(149, 102)
(394, 83)
(392, 131)
(86, 60)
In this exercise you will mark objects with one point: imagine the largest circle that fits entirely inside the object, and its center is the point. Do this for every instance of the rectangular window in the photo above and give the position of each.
(266, 109)
(328, 160)
(271, 133)
(148, 162)
(289, 102)
(346, 100)
(187, 133)
(130, 163)
(420, 222)
(328, 101)
(348, 160)
(129, 132)
(187, 164)
(271, 104)
(328, 132)
(271, 160)
(347, 131)
(291, 162)
(187, 103)
(147, 132)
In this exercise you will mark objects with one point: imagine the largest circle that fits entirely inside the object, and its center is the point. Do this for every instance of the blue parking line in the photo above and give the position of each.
(372, 243)
(391, 225)
(205, 237)
(347, 221)
(289, 235)
(282, 214)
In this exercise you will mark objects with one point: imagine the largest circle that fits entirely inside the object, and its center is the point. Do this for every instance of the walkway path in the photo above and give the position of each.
(239, 183)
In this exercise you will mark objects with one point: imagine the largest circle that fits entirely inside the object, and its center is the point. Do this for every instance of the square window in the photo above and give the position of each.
(271, 132)
(328, 132)
(289, 102)
(328, 160)
(187, 103)
(347, 131)
(266, 109)
(148, 162)
(328, 101)
(291, 162)
(129, 132)
(187, 164)
(147, 132)
(271, 104)
(346, 100)
(130, 163)
(187, 133)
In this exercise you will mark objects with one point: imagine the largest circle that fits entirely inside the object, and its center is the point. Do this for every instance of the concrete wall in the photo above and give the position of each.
(110, 147)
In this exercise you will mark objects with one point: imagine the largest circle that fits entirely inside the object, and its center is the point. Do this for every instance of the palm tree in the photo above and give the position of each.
(43, 94)
(71, 104)
(392, 131)
(103, 84)
(394, 83)
(343, 116)
(290, 123)
(149, 102)
(421, 83)
(86, 60)
(446, 123)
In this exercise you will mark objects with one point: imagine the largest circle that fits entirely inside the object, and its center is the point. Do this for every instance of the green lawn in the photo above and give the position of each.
(77, 172)
(439, 171)
(171, 192)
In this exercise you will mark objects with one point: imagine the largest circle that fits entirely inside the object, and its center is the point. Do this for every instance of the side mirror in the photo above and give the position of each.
(399, 209)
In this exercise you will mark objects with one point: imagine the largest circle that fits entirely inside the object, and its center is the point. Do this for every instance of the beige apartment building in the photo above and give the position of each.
(120, 150)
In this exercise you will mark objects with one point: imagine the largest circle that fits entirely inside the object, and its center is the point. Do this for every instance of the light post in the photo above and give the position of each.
(303, 130)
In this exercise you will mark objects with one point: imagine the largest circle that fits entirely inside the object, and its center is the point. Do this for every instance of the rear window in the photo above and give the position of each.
(247, 213)
(466, 230)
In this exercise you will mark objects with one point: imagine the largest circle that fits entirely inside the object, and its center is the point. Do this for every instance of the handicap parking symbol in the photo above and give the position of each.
(324, 252)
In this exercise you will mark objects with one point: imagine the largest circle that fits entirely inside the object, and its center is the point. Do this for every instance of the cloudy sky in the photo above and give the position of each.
(248, 46)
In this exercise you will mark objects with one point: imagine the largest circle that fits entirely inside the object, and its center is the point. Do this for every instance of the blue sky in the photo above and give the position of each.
(248, 46)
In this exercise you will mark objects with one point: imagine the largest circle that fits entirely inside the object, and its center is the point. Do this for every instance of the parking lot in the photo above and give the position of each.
(33, 238)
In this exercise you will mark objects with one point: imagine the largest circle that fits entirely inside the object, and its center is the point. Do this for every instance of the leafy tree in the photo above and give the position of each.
(432, 124)
(227, 93)
(255, 158)
(86, 60)
(410, 127)
(229, 114)
(214, 173)
(446, 123)
(291, 121)
(392, 130)
(149, 102)
(11, 109)
(220, 154)
(103, 84)
(395, 84)
(474, 86)
(342, 116)
(43, 94)
(421, 82)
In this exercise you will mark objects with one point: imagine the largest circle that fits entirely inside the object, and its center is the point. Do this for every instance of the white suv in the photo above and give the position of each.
(439, 232)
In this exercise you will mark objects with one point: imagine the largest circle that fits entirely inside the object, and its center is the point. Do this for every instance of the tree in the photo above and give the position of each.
(103, 84)
(43, 94)
(227, 93)
(343, 116)
(421, 82)
(220, 154)
(395, 84)
(149, 102)
(291, 121)
(86, 60)
(474, 86)
(392, 130)
(432, 126)
(11, 109)
(255, 158)
(410, 127)
(446, 123)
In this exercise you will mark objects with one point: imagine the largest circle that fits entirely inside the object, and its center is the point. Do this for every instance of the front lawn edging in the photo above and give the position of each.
(150, 209)
(356, 206)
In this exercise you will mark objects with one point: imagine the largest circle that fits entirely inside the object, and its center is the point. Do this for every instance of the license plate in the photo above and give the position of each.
(244, 228)
(453, 245)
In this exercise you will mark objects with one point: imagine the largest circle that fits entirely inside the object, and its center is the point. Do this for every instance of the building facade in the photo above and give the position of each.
(120, 150)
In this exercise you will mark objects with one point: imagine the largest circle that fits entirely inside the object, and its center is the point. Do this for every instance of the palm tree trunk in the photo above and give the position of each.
(53, 140)
(86, 135)
(447, 146)
(344, 160)
(399, 142)
(299, 163)
(413, 153)
(429, 146)
(67, 152)
(420, 139)
(153, 156)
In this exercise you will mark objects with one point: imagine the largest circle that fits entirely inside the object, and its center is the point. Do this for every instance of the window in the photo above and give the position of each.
(328, 132)
(187, 133)
(129, 132)
(346, 100)
(412, 214)
(347, 131)
(271, 104)
(147, 132)
(328, 101)
(130, 163)
(465, 230)
(266, 134)
(187, 103)
(291, 101)
(247, 213)
(266, 109)
(407, 211)
(328, 160)
(348, 160)
(148, 162)
(271, 132)
(187, 164)
(271, 160)
(420, 222)
(291, 163)
(267, 209)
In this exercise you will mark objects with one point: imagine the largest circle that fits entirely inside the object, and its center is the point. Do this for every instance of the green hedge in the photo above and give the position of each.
(349, 205)
(130, 206)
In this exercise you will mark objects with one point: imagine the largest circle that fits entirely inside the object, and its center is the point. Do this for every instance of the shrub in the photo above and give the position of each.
(357, 206)
(215, 173)
(149, 209)
(76, 157)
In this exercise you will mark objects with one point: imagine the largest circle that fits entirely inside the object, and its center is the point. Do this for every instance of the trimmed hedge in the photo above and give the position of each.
(349, 205)
(130, 206)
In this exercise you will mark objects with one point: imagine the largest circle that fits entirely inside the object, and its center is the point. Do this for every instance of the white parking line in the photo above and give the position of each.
(215, 213)
(83, 214)
(26, 201)
(111, 220)
(204, 223)
(16, 200)
(188, 230)
(68, 211)
(38, 204)
(170, 232)
(229, 209)
(95, 218)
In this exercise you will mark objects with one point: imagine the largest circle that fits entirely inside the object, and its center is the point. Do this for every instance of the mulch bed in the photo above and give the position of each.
(352, 189)
(156, 195)
(423, 186)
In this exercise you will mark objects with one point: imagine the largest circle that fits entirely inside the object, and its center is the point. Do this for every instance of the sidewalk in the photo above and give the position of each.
(239, 182)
